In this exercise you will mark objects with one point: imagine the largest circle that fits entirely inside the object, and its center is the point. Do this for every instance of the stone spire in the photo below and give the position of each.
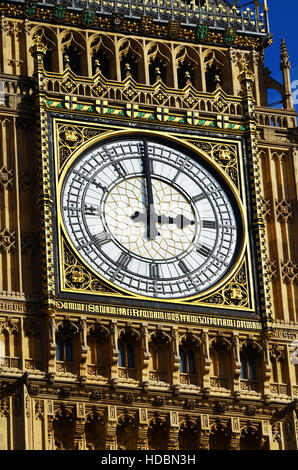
(285, 67)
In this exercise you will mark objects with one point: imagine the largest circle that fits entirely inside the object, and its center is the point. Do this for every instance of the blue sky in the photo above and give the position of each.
(283, 17)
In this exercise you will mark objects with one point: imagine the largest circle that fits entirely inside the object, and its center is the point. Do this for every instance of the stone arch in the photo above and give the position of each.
(102, 51)
(72, 45)
(216, 70)
(189, 434)
(129, 52)
(99, 351)
(250, 438)
(127, 431)
(251, 364)
(49, 38)
(191, 366)
(63, 428)
(221, 362)
(158, 433)
(159, 62)
(279, 369)
(219, 436)
(95, 429)
(187, 67)
(129, 352)
(160, 356)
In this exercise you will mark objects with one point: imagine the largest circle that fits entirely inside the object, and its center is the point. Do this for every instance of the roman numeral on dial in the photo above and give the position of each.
(154, 271)
(209, 224)
(203, 250)
(91, 210)
(123, 260)
(199, 197)
(184, 268)
(101, 238)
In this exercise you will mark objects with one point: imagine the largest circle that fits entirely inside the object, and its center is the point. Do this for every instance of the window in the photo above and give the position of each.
(160, 362)
(98, 355)
(187, 361)
(127, 358)
(64, 349)
(250, 368)
(221, 365)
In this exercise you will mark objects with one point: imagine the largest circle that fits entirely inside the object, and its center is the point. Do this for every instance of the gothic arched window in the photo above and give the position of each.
(64, 349)
(219, 439)
(98, 352)
(127, 355)
(250, 371)
(160, 358)
(279, 372)
(221, 364)
(250, 439)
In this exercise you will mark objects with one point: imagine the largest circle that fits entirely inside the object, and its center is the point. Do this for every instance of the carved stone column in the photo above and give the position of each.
(114, 344)
(50, 421)
(84, 348)
(52, 342)
(236, 354)
(146, 354)
(207, 361)
(79, 431)
(204, 433)
(111, 432)
(174, 431)
(142, 439)
(176, 356)
(234, 443)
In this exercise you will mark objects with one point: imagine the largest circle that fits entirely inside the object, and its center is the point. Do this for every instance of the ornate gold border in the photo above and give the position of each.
(243, 255)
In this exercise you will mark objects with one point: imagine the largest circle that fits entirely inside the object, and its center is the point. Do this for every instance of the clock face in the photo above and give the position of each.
(149, 218)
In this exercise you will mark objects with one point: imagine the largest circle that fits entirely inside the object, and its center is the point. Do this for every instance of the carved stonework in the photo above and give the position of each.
(235, 292)
(76, 277)
(284, 211)
(273, 270)
(6, 178)
(266, 208)
(7, 241)
(289, 272)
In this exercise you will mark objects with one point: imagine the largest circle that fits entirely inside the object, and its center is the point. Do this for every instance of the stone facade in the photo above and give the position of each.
(62, 384)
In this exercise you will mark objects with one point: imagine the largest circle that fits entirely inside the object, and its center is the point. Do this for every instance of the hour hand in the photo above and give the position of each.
(152, 232)
(180, 220)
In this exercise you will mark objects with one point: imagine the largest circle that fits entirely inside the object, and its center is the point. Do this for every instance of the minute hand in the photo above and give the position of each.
(152, 232)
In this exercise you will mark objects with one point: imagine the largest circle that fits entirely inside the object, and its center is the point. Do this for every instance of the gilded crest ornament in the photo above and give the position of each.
(88, 16)
(59, 12)
(230, 35)
(145, 25)
(202, 31)
(30, 8)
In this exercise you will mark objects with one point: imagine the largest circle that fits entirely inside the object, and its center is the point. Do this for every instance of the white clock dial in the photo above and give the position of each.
(149, 218)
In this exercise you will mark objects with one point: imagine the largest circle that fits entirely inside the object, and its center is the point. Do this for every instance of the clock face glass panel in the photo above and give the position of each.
(149, 218)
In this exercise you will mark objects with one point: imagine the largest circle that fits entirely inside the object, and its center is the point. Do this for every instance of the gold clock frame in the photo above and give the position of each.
(228, 293)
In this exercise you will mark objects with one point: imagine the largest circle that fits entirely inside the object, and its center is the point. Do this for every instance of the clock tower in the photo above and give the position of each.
(148, 288)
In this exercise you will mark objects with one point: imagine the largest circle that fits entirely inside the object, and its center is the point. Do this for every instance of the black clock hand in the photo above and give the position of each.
(152, 232)
(180, 220)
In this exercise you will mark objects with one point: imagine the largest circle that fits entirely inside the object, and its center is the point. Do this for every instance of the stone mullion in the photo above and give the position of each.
(276, 238)
(268, 182)
(246, 79)
(287, 229)
(45, 201)
(281, 235)
(18, 209)
(6, 222)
